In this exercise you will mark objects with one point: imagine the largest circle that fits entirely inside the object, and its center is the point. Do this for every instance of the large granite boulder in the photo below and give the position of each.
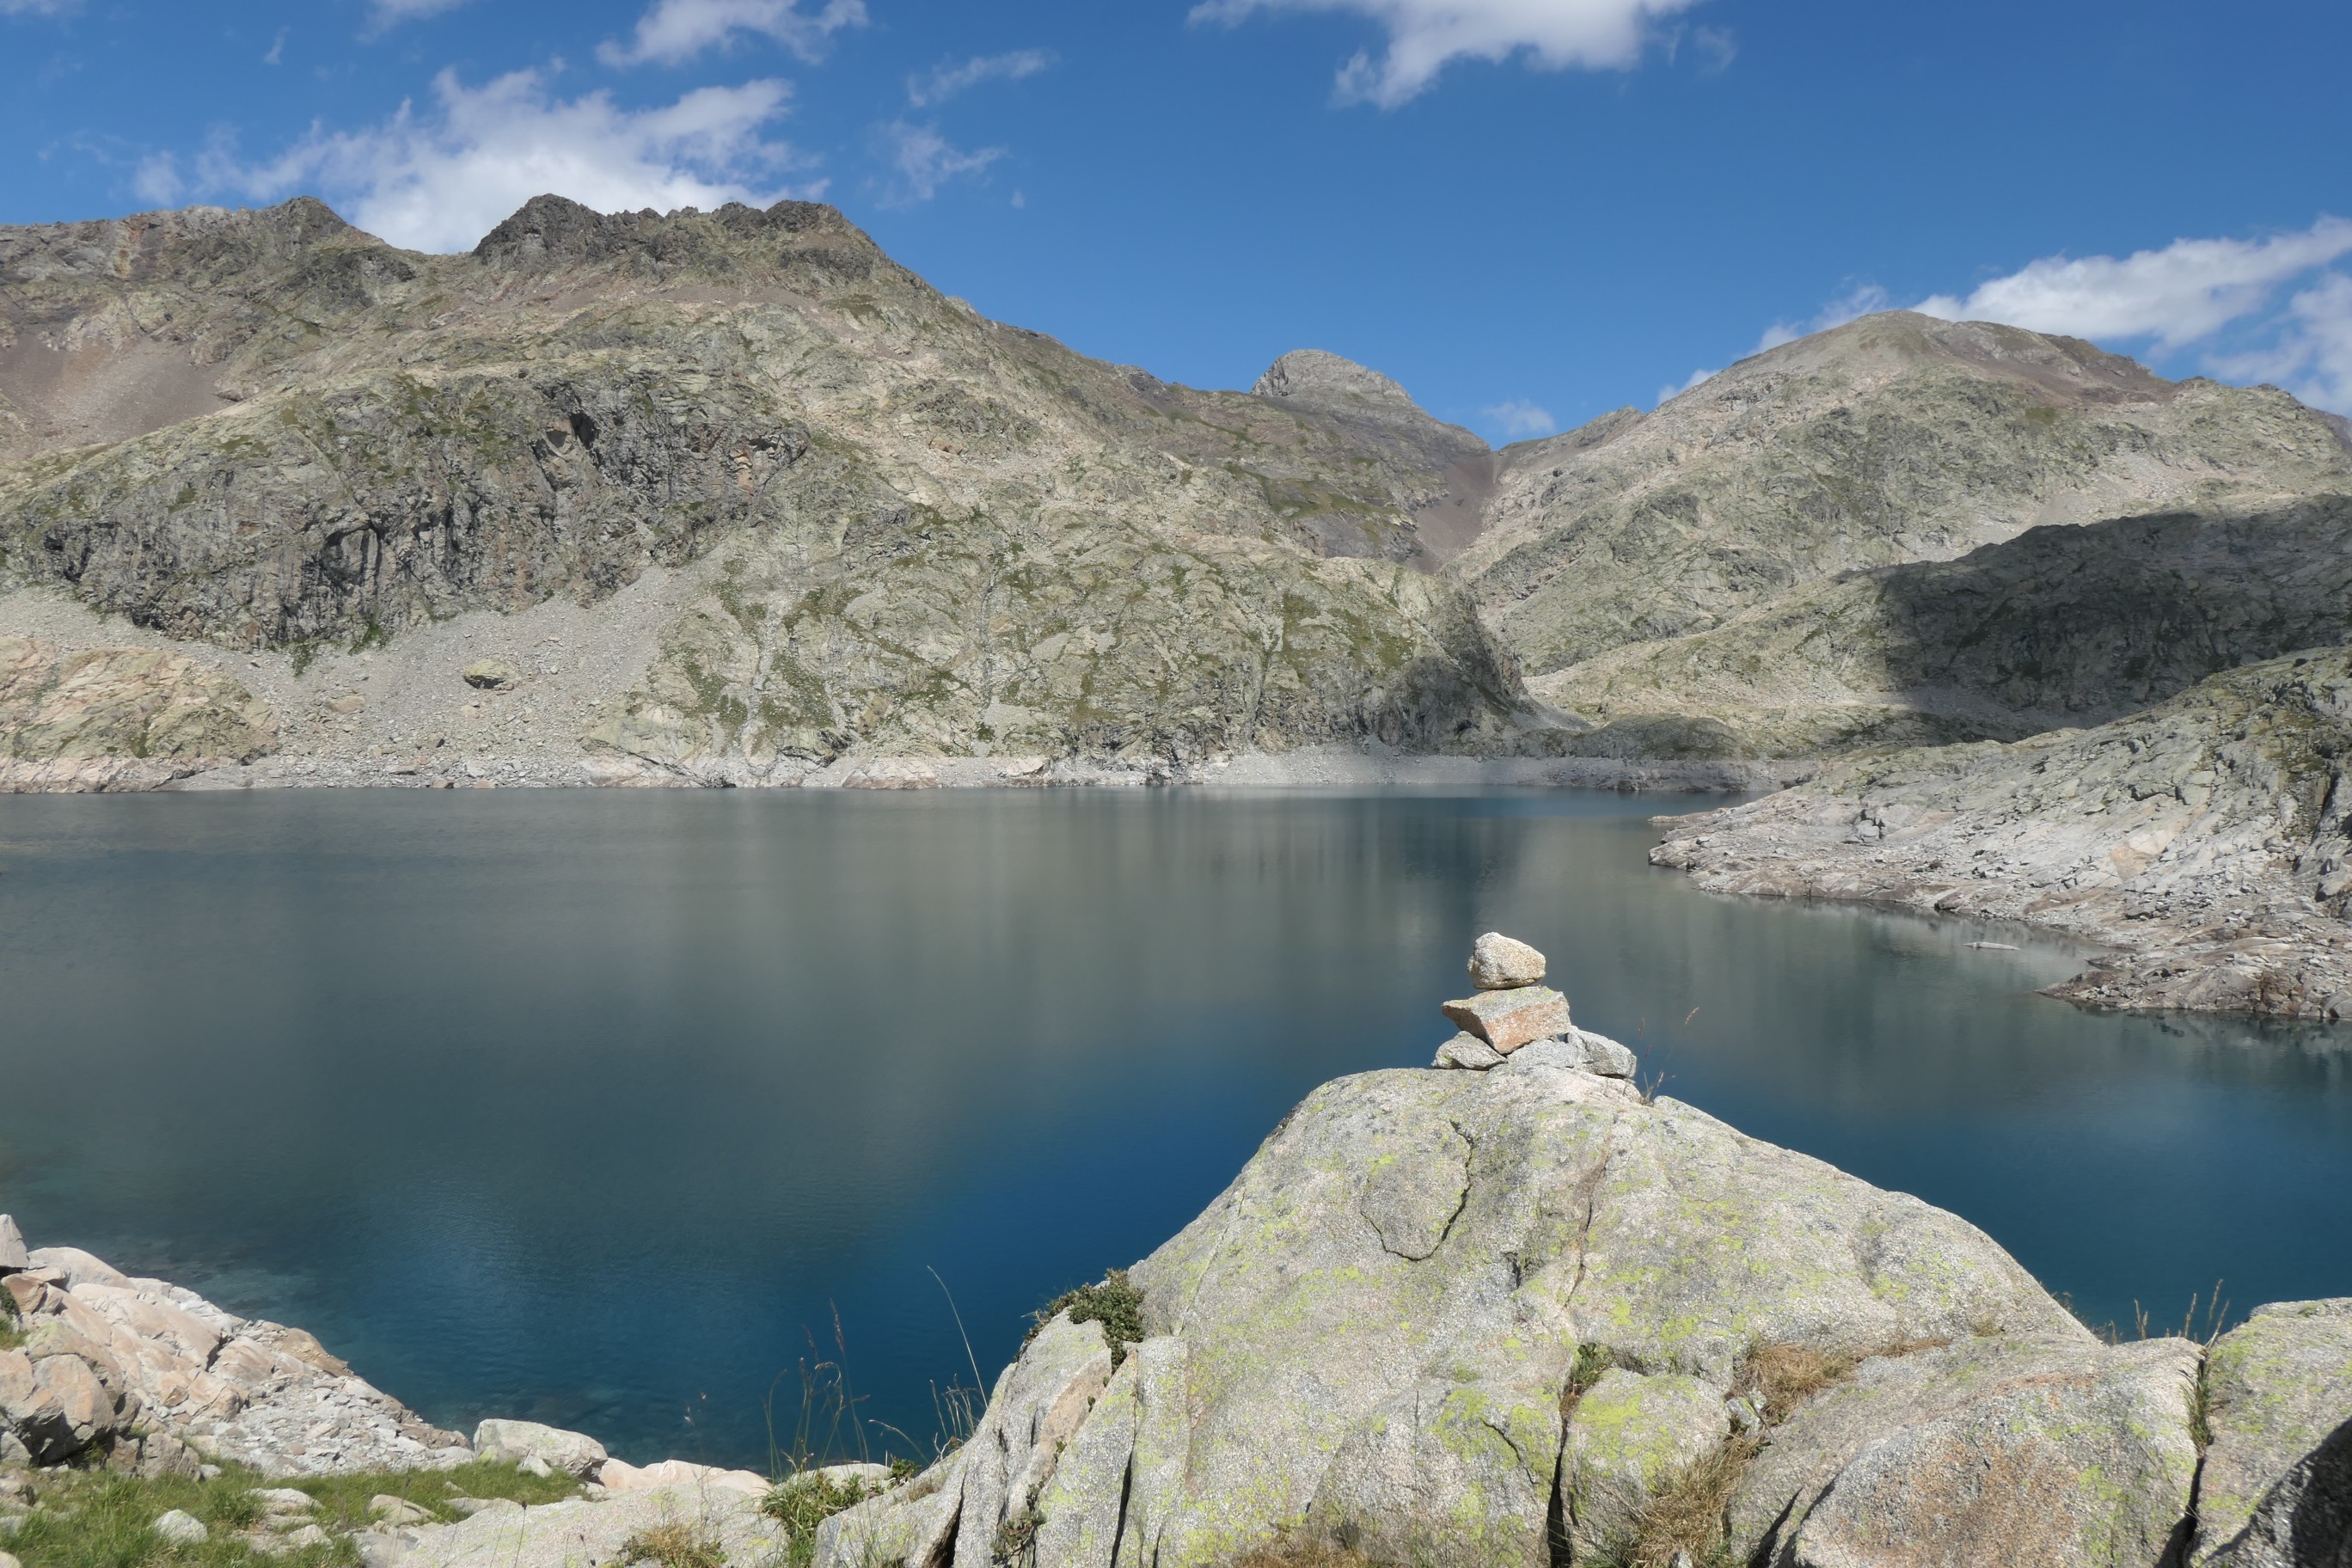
(2276, 1490)
(1370, 1337)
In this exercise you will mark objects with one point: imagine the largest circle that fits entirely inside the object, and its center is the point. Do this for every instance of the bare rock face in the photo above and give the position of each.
(157, 1378)
(112, 718)
(1312, 376)
(2209, 840)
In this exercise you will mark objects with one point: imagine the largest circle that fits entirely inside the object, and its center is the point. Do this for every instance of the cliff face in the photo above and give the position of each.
(1896, 438)
(911, 528)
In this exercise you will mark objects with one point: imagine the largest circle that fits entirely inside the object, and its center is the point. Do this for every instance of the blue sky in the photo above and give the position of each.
(1527, 211)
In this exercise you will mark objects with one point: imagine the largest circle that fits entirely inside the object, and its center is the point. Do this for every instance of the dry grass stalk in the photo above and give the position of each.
(1301, 1552)
(1688, 1513)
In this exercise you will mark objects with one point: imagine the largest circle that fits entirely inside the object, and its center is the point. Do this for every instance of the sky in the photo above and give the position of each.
(1529, 212)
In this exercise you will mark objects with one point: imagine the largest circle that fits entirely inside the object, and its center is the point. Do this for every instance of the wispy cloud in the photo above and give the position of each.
(37, 8)
(1669, 392)
(385, 15)
(922, 161)
(943, 81)
(440, 180)
(1520, 420)
(1427, 36)
(676, 31)
(1861, 300)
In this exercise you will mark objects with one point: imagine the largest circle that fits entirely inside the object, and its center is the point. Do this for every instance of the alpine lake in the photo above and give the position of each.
(639, 1112)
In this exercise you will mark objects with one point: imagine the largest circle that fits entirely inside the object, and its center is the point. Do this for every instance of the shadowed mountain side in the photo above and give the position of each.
(1894, 438)
(2061, 626)
(394, 439)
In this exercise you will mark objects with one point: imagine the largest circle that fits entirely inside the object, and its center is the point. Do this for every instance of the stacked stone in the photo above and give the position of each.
(1513, 1015)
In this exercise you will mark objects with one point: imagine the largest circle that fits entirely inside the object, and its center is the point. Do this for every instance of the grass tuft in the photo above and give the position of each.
(1302, 1551)
(1688, 1512)
(675, 1544)
(1115, 1303)
(799, 1504)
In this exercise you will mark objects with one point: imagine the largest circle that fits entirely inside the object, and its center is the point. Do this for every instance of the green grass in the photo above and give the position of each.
(96, 1519)
(801, 1503)
(11, 1323)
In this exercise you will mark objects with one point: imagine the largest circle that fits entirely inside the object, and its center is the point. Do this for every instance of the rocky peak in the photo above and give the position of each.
(1314, 378)
(1890, 343)
(550, 233)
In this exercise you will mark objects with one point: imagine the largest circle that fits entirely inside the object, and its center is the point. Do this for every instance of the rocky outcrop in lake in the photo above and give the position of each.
(2208, 841)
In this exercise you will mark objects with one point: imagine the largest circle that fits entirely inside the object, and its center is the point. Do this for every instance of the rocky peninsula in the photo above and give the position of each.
(1509, 1310)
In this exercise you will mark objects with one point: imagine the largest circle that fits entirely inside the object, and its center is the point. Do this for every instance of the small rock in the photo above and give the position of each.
(1580, 1052)
(11, 1245)
(520, 1443)
(349, 702)
(9, 1561)
(181, 1528)
(1466, 1051)
(385, 1509)
(470, 1506)
(492, 675)
(292, 1540)
(209, 1472)
(1499, 962)
(1509, 1019)
(285, 1501)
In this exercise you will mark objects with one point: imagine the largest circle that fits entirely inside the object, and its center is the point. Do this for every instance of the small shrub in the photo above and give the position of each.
(1115, 1303)
(1016, 1540)
(11, 1323)
(799, 1504)
(675, 1544)
(1593, 1362)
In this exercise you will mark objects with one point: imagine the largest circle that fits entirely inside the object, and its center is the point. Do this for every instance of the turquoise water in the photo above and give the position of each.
(601, 1109)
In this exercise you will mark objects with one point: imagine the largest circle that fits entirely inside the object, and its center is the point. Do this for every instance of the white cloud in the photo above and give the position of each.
(439, 181)
(36, 7)
(1520, 419)
(1668, 393)
(922, 161)
(1427, 36)
(2190, 290)
(383, 14)
(942, 82)
(676, 31)
(1853, 305)
(2312, 354)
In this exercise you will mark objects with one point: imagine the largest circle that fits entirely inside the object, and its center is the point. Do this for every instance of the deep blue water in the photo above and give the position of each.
(598, 1108)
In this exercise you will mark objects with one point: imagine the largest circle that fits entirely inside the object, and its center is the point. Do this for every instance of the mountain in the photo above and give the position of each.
(821, 509)
(1897, 438)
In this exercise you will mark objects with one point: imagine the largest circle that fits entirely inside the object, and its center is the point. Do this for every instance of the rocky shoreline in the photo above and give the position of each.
(1507, 1311)
(2208, 841)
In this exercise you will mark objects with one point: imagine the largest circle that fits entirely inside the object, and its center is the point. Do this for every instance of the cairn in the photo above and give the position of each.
(1515, 1016)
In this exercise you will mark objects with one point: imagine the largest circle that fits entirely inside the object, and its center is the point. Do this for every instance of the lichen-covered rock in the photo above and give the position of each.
(2276, 1486)
(1627, 1437)
(1368, 1336)
(518, 1442)
(2009, 1450)
(1580, 1050)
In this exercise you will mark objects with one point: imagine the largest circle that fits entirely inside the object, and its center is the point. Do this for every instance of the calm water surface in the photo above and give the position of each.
(597, 1108)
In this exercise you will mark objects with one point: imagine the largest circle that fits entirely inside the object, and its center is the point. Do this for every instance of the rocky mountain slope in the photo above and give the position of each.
(907, 530)
(2208, 840)
(1895, 439)
(2064, 625)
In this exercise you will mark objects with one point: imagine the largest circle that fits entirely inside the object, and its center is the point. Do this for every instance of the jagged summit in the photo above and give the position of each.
(551, 232)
